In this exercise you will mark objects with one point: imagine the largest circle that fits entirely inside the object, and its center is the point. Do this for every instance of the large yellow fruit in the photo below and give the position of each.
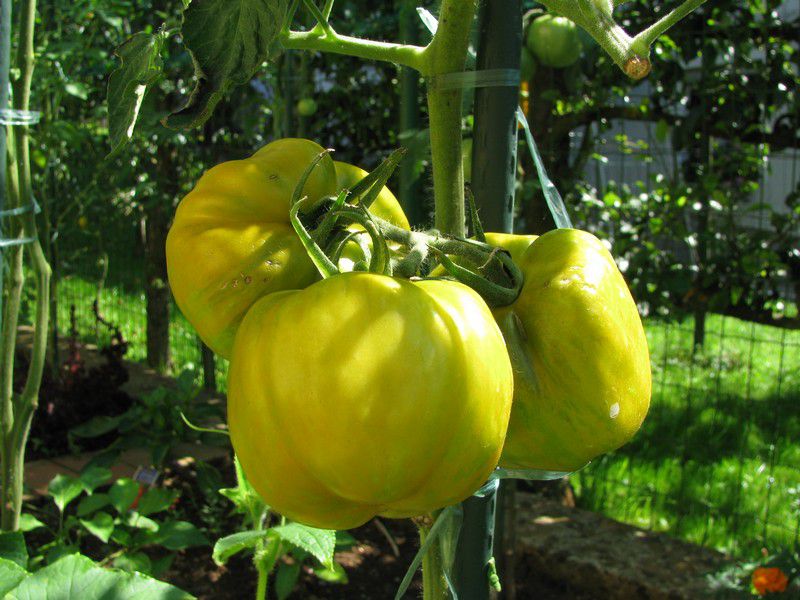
(367, 395)
(576, 341)
(232, 243)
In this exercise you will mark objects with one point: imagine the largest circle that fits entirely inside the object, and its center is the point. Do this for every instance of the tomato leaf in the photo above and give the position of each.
(233, 544)
(141, 67)
(334, 574)
(228, 41)
(318, 542)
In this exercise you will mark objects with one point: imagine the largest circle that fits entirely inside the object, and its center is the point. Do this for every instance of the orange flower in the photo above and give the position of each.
(769, 579)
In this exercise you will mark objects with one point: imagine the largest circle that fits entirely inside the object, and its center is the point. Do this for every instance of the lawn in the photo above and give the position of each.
(717, 461)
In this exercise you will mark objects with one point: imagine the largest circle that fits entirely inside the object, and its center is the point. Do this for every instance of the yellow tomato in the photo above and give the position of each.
(366, 395)
(581, 363)
(232, 242)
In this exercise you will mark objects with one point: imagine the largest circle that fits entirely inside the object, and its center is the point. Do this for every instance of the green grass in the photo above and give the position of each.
(717, 461)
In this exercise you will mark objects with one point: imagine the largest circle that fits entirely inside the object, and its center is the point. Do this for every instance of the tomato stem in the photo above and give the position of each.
(447, 53)
(17, 411)
(630, 53)
(401, 54)
(379, 262)
(324, 265)
(434, 585)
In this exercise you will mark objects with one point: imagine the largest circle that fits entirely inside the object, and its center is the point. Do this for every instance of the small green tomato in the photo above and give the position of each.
(306, 107)
(554, 41)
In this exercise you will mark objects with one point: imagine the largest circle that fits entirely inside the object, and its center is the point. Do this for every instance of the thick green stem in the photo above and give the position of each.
(649, 35)
(434, 586)
(263, 579)
(447, 54)
(5, 68)
(630, 53)
(17, 421)
(409, 56)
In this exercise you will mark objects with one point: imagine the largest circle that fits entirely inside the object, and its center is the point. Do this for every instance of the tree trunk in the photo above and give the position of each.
(209, 368)
(157, 293)
(156, 288)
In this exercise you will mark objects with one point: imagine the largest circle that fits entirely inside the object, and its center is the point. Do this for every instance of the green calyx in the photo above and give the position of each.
(345, 222)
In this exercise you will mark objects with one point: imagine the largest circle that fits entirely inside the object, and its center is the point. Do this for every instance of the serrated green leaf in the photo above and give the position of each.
(13, 548)
(64, 489)
(11, 575)
(228, 40)
(233, 544)
(29, 523)
(101, 525)
(77, 577)
(141, 66)
(286, 578)
(320, 543)
(123, 494)
(92, 503)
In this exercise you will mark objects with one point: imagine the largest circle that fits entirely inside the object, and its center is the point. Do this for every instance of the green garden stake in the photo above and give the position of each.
(494, 152)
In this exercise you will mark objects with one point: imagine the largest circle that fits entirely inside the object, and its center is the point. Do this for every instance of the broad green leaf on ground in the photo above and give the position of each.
(64, 489)
(101, 525)
(76, 577)
(141, 66)
(12, 547)
(233, 544)
(318, 542)
(11, 575)
(133, 562)
(156, 500)
(123, 494)
(286, 578)
(93, 477)
(89, 504)
(29, 523)
(177, 535)
(98, 425)
(138, 521)
(228, 40)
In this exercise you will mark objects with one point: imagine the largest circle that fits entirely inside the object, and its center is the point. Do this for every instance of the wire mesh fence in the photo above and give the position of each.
(717, 461)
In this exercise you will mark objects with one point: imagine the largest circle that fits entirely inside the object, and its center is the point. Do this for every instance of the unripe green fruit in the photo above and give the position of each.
(306, 107)
(554, 41)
